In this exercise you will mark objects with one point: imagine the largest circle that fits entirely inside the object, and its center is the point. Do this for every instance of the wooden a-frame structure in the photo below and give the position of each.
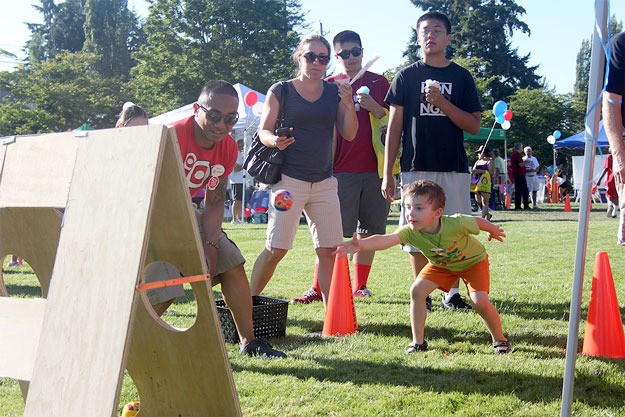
(89, 214)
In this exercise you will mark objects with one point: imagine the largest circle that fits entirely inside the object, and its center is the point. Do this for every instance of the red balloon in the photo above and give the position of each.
(507, 115)
(251, 98)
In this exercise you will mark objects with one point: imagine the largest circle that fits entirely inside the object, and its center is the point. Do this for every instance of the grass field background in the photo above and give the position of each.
(368, 374)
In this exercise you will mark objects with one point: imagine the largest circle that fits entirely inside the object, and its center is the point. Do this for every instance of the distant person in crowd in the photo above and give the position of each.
(481, 180)
(237, 185)
(132, 115)
(313, 108)
(531, 175)
(363, 208)
(15, 261)
(432, 102)
(452, 253)
(521, 193)
(610, 192)
(500, 176)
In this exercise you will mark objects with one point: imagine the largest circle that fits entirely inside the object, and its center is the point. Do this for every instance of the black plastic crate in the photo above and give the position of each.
(269, 316)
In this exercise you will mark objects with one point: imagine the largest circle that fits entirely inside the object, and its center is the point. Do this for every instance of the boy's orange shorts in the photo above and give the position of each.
(476, 277)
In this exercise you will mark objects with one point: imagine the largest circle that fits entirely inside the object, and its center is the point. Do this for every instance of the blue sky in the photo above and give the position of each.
(558, 27)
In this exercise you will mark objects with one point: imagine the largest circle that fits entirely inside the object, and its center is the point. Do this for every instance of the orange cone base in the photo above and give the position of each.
(340, 317)
(604, 329)
(567, 203)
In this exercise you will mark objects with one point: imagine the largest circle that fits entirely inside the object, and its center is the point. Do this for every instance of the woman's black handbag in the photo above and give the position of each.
(262, 162)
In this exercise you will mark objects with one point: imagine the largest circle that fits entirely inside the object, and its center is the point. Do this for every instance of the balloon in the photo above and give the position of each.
(499, 108)
(257, 108)
(507, 114)
(551, 139)
(247, 212)
(506, 125)
(251, 98)
(500, 119)
(557, 134)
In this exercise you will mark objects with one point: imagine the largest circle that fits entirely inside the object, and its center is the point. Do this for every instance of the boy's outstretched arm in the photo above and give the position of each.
(371, 243)
(493, 230)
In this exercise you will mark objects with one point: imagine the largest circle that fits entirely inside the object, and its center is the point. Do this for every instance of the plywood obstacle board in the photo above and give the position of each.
(125, 205)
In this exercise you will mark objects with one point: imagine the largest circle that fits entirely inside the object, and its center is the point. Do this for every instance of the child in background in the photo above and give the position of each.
(452, 253)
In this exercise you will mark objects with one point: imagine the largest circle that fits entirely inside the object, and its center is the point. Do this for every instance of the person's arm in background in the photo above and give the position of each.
(393, 138)
(346, 119)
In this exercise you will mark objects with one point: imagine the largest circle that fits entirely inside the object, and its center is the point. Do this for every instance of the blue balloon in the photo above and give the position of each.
(500, 119)
(499, 108)
(557, 134)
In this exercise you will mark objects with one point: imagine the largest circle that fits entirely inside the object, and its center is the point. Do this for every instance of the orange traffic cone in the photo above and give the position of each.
(567, 203)
(604, 328)
(340, 312)
(507, 201)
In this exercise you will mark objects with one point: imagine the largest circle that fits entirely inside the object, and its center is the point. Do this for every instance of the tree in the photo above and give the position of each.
(61, 30)
(57, 95)
(482, 29)
(111, 31)
(192, 41)
(582, 63)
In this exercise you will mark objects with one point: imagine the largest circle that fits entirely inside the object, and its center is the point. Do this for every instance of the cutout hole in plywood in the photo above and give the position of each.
(17, 279)
(174, 306)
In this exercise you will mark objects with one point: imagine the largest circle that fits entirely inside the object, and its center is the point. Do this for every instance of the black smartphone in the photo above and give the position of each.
(285, 131)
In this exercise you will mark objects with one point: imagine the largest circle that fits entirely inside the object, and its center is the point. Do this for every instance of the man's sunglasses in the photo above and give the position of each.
(311, 57)
(355, 51)
(214, 116)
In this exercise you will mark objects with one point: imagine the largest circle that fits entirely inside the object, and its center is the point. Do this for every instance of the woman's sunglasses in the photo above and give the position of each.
(311, 57)
(355, 51)
(214, 116)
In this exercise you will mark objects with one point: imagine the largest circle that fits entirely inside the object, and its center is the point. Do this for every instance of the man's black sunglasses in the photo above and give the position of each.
(355, 51)
(214, 116)
(310, 57)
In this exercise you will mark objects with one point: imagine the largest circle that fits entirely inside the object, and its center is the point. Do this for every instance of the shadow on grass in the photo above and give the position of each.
(25, 291)
(533, 388)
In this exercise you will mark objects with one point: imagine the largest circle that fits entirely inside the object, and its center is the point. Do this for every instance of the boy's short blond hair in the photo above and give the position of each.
(431, 190)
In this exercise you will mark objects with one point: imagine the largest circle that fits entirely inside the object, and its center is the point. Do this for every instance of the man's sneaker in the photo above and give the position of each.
(456, 303)
(362, 292)
(415, 347)
(309, 296)
(428, 304)
(260, 347)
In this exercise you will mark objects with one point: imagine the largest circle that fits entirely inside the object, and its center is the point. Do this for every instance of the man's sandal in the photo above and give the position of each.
(502, 346)
(415, 347)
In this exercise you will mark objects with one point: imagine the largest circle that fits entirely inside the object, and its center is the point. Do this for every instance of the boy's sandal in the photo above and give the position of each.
(502, 346)
(415, 347)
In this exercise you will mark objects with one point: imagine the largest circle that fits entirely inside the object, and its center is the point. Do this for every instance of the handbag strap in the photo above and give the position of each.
(285, 88)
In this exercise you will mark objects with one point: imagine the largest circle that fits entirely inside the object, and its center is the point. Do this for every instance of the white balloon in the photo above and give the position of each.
(506, 125)
(257, 108)
(551, 139)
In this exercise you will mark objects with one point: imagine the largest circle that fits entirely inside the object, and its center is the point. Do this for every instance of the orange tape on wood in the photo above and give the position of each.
(171, 282)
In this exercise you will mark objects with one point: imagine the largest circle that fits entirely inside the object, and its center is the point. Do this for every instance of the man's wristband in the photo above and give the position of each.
(213, 244)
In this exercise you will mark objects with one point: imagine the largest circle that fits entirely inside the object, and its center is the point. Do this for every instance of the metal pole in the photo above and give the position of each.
(594, 89)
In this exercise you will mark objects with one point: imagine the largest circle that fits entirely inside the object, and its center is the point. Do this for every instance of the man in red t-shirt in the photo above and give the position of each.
(521, 193)
(208, 156)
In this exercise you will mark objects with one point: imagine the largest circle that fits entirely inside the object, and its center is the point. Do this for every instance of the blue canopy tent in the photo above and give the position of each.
(577, 141)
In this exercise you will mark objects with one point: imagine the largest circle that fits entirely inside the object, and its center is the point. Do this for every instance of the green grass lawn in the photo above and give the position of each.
(368, 374)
